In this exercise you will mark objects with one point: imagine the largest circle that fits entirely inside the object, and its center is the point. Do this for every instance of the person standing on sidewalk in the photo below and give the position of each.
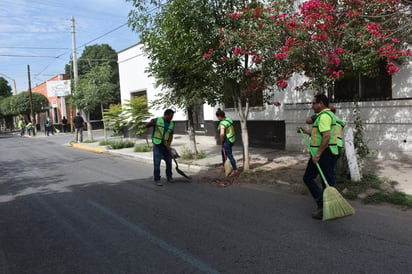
(78, 127)
(227, 138)
(21, 126)
(162, 137)
(324, 148)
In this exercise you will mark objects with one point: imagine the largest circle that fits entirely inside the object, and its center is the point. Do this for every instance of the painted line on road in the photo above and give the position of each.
(155, 240)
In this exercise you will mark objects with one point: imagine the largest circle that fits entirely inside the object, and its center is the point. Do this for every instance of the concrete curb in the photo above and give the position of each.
(89, 148)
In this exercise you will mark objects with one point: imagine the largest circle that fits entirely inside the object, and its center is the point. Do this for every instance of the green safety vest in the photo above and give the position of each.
(229, 129)
(159, 136)
(335, 141)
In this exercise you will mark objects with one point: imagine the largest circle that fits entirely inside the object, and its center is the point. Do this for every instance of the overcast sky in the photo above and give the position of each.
(42, 28)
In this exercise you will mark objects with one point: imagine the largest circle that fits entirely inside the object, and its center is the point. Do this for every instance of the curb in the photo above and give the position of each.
(89, 148)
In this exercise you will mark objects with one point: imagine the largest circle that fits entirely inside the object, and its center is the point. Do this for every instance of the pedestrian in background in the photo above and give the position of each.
(48, 126)
(64, 124)
(227, 139)
(78, 127)
(162, 137)
(323, 148)
(29, 127)
(21, 126)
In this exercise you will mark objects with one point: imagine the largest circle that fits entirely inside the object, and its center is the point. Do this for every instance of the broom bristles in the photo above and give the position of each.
(334, 205)
(228, 167)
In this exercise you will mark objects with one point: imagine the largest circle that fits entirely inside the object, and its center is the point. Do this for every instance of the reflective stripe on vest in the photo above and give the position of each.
(159, 135)
(335, 140)
(229, 129)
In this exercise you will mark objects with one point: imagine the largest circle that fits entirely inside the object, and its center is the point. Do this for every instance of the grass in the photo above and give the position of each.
(117, 144)
(142, 148)
(89, 141)
(352, 191)
(187, 155)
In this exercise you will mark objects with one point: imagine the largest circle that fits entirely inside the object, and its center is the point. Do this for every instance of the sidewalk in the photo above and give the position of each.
(288, 161)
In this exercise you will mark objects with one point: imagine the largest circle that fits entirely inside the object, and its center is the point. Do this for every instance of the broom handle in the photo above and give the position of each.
(311, 154)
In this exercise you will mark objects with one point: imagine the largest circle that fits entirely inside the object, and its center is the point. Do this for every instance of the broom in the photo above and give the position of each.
(227, 164)
(334, 205)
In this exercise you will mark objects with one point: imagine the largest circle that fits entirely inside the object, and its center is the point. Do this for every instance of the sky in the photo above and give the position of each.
(38, 33)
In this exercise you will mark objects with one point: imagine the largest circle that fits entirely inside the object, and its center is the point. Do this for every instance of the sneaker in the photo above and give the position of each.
(158, 183)
(170, 180)
(234, 173)
(318, 214)
(222, 168)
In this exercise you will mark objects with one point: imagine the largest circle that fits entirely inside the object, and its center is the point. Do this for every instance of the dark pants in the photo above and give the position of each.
(161, 152)
(327, 164)
(227, 153)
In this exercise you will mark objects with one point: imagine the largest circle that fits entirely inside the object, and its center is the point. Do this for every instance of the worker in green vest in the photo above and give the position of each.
(21, 126)
(162, 137)
(324, 150)
(227, 139)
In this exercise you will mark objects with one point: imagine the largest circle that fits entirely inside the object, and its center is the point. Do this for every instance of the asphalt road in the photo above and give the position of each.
(65, 210)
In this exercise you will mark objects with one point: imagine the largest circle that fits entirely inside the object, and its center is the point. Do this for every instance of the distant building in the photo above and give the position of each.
(55, 90)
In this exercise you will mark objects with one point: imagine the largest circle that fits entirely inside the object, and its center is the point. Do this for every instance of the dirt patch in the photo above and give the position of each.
(285, 172)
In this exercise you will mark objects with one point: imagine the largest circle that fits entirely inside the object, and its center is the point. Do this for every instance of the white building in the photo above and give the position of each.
(386, 106)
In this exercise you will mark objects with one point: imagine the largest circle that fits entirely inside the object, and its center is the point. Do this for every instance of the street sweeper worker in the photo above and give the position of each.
(227, 138)
(324, 150)
(162, 137)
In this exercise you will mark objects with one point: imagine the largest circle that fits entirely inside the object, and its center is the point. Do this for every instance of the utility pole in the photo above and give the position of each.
(32, 118)
(75, 72)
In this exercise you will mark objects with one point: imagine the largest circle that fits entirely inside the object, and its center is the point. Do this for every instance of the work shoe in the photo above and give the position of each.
(234, 173)
(318, 214)
(170, 180)
(158, 183)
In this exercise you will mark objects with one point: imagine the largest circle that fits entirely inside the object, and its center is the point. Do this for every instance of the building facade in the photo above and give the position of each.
(386, 118)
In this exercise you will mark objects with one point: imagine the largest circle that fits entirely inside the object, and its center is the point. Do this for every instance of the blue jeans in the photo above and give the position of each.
(161, 152)
(227, 149)
(77, 132)
(327, 164)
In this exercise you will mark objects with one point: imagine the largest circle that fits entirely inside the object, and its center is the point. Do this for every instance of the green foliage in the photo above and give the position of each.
(135, 112)
(5, 89)
(113, 119)
(360, 143)
(89, 141)
(104, 143)
(95, 88)
(95, 56)
(186, 154)
(396, 198)
(20, 104)
(142, 148)
(120, 144)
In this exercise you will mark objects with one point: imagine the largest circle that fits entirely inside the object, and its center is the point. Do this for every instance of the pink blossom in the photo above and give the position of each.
(235, 15)
(236, 51)
(207, 56)
(391, 68)
(282, 84)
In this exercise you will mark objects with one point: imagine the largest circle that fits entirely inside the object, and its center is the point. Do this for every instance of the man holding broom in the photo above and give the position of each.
(324, 150)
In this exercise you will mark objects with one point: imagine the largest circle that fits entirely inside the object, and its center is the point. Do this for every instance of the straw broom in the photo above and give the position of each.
(334, 205)
(227, 164)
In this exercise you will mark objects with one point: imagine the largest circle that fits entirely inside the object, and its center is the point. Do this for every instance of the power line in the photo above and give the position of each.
(29, 48)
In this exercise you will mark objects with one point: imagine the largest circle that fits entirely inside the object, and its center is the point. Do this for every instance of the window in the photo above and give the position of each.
(365, 88)
(138, 93)
(255, 98)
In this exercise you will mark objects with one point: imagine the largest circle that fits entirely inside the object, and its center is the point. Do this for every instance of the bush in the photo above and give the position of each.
(188, 155)
(120, 144)
(142, 148)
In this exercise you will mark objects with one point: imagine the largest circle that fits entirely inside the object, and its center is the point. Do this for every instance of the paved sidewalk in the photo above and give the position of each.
(395, 170)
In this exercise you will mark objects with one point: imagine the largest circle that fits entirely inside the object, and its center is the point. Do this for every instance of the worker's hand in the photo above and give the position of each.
(315, 159)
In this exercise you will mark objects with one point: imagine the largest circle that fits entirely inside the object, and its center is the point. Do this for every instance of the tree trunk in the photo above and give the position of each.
(245, 140)
(191, 131)
(89, 125)
(350, 152)
(104, 123)
(243, 113)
